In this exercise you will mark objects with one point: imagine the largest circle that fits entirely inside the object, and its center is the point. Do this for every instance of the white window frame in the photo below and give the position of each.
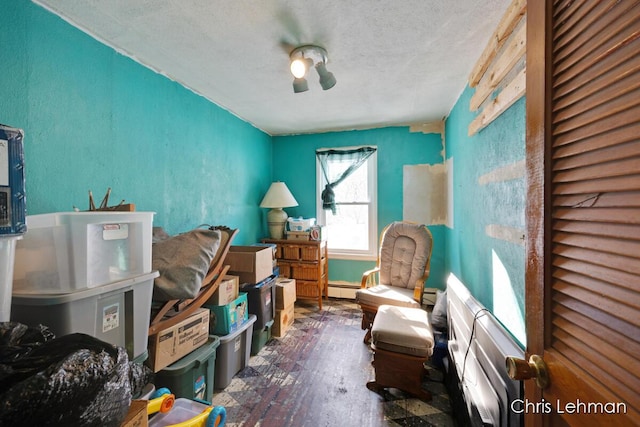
(372, 175)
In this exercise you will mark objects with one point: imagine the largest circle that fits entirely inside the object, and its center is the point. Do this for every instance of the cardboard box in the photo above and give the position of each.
(283, 320)
(229, 317)
(227, 292)
(171, 344)
(137, 415)
(251, 263)
(285, 292)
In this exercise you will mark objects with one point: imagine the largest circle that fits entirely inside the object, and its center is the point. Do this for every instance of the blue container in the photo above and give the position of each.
(13, 208)
(229, 317)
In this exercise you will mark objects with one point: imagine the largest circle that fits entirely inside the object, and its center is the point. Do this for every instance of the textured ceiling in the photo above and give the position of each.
(396, 62)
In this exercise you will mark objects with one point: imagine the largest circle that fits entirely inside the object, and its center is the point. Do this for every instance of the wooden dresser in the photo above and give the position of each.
(307, 261)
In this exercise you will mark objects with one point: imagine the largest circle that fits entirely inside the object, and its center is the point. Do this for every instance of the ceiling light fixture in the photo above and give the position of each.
(304, 57)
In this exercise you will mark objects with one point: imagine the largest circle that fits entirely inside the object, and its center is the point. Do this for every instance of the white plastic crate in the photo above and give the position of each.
(68, 251)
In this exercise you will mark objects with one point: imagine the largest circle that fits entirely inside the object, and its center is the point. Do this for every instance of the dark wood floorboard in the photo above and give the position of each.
(316, 375)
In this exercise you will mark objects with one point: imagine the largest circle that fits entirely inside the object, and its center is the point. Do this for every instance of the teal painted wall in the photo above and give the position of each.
(95, 119)
(492, 269)
(294, 163)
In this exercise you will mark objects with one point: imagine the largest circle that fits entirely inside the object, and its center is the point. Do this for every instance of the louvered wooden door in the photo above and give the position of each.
(583, 210)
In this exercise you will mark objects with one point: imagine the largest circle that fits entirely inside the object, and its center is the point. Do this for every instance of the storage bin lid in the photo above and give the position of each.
(195, 358)
(246, 325)
(54, 299)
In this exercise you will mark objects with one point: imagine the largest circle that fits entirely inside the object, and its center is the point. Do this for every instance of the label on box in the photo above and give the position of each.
(110, 317)
(115, 231)
(237, 344)
(267, 299)
(199, 387)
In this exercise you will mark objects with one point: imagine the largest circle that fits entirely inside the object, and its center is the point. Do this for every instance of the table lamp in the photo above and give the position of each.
(278, 196)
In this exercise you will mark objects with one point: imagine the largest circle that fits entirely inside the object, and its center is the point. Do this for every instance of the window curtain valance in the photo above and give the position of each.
(353, 158)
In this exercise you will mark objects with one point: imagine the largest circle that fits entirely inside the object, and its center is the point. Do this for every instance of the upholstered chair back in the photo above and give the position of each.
(405, 253)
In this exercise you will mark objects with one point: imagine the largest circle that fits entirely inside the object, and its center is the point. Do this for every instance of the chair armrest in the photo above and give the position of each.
(418, 290)
(367, 275)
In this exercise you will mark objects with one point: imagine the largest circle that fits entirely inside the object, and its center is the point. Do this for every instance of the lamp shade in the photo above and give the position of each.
(278, 196)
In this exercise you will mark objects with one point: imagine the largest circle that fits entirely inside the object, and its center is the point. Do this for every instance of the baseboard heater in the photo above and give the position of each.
(476, 372)
(343, 289)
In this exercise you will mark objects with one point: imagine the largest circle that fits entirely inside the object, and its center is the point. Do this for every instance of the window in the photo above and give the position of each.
(352, 230)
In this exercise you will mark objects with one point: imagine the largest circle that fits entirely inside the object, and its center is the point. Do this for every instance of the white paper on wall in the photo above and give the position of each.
(424, 194)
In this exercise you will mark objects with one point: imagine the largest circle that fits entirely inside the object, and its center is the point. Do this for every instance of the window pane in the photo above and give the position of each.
(348, 228)
(352, 189)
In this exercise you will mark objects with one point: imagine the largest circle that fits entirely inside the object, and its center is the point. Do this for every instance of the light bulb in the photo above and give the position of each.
(298, 68)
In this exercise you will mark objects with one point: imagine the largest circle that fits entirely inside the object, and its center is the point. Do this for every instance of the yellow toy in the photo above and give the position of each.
(172, 412)
(161, 401)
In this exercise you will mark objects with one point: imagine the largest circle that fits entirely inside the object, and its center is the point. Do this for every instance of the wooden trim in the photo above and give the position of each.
(509, 20)
(506, 173)
(537, 162)
(506, 233)
(509, 95)
(513, 53)
(426, 128)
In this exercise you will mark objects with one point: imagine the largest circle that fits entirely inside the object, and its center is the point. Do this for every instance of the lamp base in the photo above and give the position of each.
(276, 220)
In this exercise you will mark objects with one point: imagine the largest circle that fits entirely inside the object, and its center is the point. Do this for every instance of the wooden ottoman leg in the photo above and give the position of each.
(367, 323)
(400, 371)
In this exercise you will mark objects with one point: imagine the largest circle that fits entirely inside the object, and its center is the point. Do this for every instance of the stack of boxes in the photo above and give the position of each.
(205, 351)
(254, 266)
(285, 299)
(228, 307)
(230, 320)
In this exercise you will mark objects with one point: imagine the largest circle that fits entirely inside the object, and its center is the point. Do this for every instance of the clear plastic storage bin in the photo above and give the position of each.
(68, 251)
(117, 313)
(186, 412)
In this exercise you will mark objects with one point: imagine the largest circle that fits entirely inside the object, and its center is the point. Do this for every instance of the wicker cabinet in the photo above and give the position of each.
(307, 262)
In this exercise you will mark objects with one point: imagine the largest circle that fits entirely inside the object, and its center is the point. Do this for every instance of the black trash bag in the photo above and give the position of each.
(139, 377)
(17, 339)
(74, 380)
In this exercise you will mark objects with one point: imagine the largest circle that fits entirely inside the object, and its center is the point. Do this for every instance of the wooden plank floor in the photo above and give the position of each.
(315, 376)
